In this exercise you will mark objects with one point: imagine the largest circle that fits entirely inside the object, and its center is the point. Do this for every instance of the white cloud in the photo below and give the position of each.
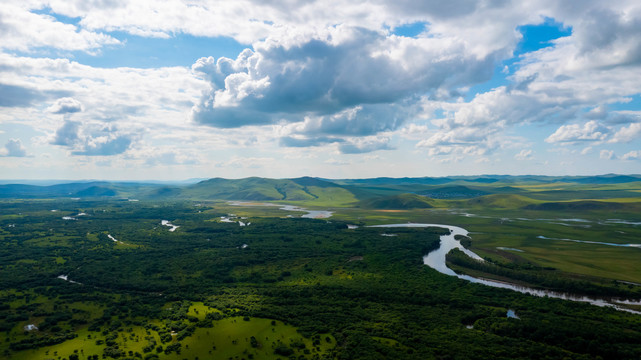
(632, 155)
(335, 78)
(326, 75)
(106, 145)
(252, 20)
(364, 145)
(13, 148)
(24, 31)
(92, 139)
(414, 131)
(590, 131)
(524, 155)
(607, 154)
(65, 105)
(627, 134)
(105, 111)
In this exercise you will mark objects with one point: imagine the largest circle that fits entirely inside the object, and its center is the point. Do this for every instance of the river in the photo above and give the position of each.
(311, 214)
(436, 260)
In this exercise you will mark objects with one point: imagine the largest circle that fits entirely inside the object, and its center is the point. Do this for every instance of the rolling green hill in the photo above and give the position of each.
(397, 202)
(498, 191)
(452, 192)
(304, 189)
(503, 201)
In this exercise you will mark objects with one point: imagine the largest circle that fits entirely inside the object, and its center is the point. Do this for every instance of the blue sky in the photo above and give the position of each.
(173, 90)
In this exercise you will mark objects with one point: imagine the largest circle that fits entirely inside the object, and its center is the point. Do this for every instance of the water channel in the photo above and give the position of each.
(436, 260)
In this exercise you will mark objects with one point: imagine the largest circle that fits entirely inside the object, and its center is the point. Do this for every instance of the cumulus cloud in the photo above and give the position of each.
(590, 131)
(323, 77)
(632, 155)
(250, 20)
(67, 134)
(13, 148)
(558, 84)
(627, 134)
(607, 154)
(365, 145)
(108, 94)
(362, 120)
(65, 106)
(113, 144)
(337, 80)
(478, 126)
(24, 30)
(92, 139)
(606, 31)
(524, 155)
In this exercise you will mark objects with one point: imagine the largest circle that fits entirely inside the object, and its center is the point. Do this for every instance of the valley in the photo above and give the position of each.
(291, 268)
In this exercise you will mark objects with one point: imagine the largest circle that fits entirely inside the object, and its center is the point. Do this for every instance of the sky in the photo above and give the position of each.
(179, 89)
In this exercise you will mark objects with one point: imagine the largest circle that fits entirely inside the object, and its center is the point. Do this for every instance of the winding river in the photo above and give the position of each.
(436, 260)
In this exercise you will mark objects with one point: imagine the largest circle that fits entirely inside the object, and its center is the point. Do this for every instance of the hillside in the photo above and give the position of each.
(452, 192)
(263, 189)
(498, 191)
(76, 189)
(397, 202)
(503, 201)
(584, 205)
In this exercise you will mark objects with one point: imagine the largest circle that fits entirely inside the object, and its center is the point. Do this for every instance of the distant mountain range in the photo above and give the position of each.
(529, 191)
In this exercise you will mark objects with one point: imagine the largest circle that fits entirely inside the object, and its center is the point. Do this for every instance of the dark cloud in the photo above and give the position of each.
(205, 113)
(18, 96)
(603, 29)
(345, 146)
(439, 8)
(67, 134)
(358, 121)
